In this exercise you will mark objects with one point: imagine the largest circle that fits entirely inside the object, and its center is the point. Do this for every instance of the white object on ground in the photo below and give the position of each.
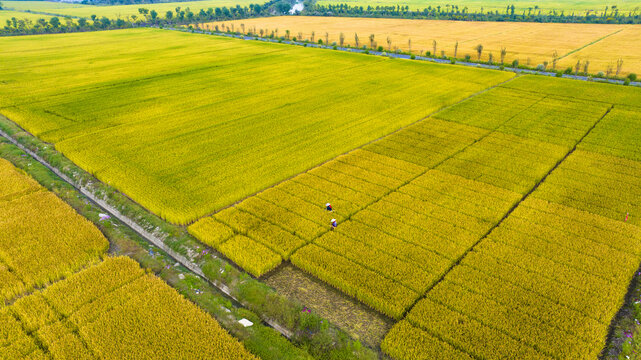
(181, 276)
(246, 323)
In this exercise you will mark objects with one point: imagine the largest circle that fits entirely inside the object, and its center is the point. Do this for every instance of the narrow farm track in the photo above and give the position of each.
(507, 214)
(151, 238)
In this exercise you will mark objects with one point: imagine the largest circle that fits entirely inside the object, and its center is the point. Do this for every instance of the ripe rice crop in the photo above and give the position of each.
(42, 239)
(493, 5)
(582, 90)
(254, 257)
(554, 119)
(113, 310)
(601, 184)
(544, 284)
(530, 43)
(605, 53)
(428, 142)
(618, 134)
(195, 123)
(14, 183)
(508, 161)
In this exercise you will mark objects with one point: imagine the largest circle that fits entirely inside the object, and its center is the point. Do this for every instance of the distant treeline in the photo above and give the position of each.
(609, 15)
(127, 2)
(145, 17)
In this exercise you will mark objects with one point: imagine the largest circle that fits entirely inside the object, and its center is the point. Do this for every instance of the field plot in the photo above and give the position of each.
(530, 43)
(117, 11)
(112, 310)
(604, 185)
(520, 6)
(620, 45)
(194, 123)
(42, 239)
(544, 284)
(617, 134)
(411, 205)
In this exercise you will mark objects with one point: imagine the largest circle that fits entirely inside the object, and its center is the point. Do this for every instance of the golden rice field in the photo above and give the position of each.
(42, 239)
(568, 6)
(194, 123)
(113, 310)
(492, 216)
(621, 45)
(117, 11)
(549, 269)
(530, 43)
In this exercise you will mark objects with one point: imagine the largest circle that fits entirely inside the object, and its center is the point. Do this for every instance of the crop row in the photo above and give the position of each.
(410, 240)
(600, 184)
(544, 284)
(508, 161)
(385, 295)
(581, 90)
(618, 134)
(42, 239)
(14, 183)
(279, 220)
(111, 310)
(491, 109)
(542, 117)
(428, 142)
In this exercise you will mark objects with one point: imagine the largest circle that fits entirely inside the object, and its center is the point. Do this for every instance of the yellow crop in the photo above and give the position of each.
(548, 269)
(601, 184)
(529, 43)
(161, 132)
(113, 310)
(42, 239)
(543, 284)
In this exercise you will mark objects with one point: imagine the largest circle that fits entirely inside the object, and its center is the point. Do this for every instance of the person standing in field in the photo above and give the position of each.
(329, 207)
(334, 224)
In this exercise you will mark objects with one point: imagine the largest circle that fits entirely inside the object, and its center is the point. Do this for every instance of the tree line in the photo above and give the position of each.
(145, 17)
(609, 15)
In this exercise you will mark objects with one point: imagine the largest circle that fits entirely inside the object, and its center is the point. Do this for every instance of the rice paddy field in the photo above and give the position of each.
(62, 297)
(42, 239)
(484, 215)
(498, 227)
(579, 6)
(116, 11)
(529, 43)
(173, 143)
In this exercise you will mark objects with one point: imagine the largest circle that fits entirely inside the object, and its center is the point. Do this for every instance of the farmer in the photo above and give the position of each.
(334, 224)
(329, 207)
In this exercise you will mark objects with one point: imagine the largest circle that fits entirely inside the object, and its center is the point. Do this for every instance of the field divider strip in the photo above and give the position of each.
(141, 231)
(361, 147)
(588, 44)
(511, 210)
